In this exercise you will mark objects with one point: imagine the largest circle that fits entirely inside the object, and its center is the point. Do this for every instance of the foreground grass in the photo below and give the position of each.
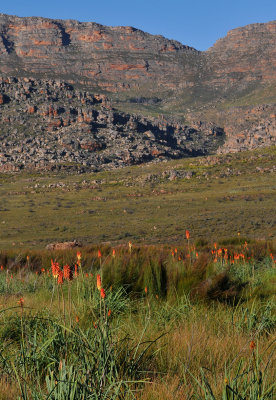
(182, 323)
(225, 195)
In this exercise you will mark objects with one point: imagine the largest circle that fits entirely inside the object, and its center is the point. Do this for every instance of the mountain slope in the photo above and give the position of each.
(231, 86)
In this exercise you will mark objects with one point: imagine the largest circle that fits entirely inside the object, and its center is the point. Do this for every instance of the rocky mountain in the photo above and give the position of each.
(49, 125)
(78, 88)
(91, 54)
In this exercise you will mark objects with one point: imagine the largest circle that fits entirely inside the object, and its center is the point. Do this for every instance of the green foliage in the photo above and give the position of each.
(248, 381)
(139, 204)
(76, 342)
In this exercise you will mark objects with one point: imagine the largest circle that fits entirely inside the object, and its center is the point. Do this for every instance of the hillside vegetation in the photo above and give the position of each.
(213, 197)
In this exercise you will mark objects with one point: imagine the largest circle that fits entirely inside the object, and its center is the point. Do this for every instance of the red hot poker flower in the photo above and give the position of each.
(99, 254)
(103, 293)
(21, 301)
(252, 345)
(187, 234)
(55, 268)
(66, 272)
(99, 282)
(60, 277)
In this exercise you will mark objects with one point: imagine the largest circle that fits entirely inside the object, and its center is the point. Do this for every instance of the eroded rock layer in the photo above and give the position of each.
(124, 57)
(49, 125)
(227, 94)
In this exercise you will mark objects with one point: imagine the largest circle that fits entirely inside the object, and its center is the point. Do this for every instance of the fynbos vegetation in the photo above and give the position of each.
(195, 322)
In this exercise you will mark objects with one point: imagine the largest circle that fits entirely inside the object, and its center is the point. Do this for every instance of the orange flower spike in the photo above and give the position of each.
(175, 250)
(146, 290)
(187, 234)
(196, 255)
(103, 295)
(1, 267)
(60, 277)
(87, 275)
(77, 319)
(215, 245)
(55, 269)
(21, 302)
(109, 313)
(79, 256)
(113, 253)
(66, 272)
(252, 345)
(99, 254)
(172, 253)
(43, 270)
(76, 271)
(99, 282)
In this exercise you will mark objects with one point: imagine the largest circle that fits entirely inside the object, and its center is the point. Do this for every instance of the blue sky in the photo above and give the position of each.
(197, 23)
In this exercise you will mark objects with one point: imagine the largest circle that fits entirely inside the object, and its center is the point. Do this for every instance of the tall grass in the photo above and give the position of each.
(163, 323)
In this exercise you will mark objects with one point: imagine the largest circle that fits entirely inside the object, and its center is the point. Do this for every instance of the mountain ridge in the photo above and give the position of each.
(230, 87)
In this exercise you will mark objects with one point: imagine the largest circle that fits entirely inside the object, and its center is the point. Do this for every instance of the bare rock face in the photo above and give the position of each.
(124, 57)
(45, 122)
(119, 57)
(245, 54)
(50, 125)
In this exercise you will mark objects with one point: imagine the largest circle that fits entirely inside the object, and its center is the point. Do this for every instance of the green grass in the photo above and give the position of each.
(203, 329)
(140, 204)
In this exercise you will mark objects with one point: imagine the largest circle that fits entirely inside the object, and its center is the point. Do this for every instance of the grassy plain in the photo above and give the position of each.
(196, 324)
(227, 194)
(179, 319)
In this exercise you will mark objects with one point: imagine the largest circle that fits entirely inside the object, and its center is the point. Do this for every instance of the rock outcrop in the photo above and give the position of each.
(111, 58)
(120, 58)
(245, 55)
(50, 125)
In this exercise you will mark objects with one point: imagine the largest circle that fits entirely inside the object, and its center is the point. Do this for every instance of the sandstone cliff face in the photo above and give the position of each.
(122, 58)
(112, 58)
(245, 54)
(42, 54)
